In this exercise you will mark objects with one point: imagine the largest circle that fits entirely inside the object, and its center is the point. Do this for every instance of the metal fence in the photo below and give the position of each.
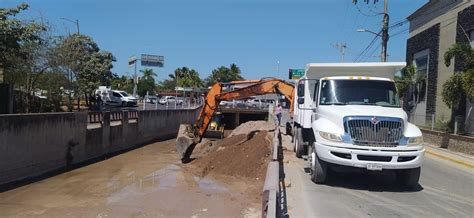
(462, 125)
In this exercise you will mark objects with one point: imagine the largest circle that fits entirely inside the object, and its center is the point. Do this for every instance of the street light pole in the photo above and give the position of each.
(73, 21)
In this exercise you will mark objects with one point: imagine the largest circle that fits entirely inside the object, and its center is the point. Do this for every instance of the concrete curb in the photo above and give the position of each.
(271, 187)
(450, 156)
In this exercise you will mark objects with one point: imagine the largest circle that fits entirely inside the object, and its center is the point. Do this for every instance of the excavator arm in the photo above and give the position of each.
(190, 135)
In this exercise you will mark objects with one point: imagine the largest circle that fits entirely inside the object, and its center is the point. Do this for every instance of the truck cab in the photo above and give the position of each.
(349, 114)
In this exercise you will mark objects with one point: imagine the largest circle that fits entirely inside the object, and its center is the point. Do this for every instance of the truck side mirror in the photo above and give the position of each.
(300, 89)
(300, 100)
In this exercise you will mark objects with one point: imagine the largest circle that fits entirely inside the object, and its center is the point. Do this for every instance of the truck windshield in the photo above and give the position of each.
(124, 94)
(359, 92)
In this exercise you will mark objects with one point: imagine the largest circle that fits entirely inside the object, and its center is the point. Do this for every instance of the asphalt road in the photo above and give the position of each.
(445, 190)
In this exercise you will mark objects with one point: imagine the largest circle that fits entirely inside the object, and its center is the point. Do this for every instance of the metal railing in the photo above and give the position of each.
(461, 125)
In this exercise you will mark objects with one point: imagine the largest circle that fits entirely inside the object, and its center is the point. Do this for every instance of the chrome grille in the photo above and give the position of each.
(374, 131)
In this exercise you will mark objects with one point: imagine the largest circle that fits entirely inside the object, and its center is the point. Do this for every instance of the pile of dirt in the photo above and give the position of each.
(244, 153)
(247, 156)
(247, 127)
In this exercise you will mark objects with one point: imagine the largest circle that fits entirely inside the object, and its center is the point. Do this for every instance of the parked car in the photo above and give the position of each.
(259, 103)
(151, 100)
(116, 97)
(170, 100)
(226, 103)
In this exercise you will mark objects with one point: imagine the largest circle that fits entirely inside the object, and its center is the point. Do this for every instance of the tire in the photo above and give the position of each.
(124, 104)
(319, 168)
(299, 148)
(409, 178)
(288, 128)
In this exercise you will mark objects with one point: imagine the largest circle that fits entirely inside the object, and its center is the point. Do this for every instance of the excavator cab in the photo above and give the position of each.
(216, 127)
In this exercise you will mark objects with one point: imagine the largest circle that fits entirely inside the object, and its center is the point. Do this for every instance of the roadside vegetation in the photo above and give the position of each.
(60, 73)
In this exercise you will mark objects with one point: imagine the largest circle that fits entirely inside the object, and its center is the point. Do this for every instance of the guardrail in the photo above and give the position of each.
(95, 117)
(271, 187)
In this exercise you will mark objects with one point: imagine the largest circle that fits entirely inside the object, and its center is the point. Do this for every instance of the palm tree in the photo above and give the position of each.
(187, 77)
(148, 74)
(459, 86)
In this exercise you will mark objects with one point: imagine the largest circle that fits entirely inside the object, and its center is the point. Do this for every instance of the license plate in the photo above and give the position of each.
(372, 166)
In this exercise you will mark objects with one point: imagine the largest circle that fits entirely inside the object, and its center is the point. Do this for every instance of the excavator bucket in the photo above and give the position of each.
(186, 140)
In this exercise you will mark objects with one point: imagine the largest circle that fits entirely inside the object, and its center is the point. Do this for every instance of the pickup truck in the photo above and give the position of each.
(349, 114)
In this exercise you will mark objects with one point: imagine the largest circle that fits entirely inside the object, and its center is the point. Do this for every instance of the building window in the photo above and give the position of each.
(421, 63)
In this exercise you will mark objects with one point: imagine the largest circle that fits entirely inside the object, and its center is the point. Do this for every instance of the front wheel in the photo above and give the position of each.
(319, 168)
(299, 149)
(409, 178)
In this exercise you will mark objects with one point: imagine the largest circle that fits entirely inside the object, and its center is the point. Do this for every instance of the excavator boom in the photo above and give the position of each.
(189, 135)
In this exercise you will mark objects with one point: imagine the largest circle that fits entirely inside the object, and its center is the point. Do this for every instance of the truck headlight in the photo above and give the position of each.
(415, 140)
(330, 136)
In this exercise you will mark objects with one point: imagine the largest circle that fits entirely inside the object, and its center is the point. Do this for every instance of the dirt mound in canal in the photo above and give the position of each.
(243, 155)
(247, 127)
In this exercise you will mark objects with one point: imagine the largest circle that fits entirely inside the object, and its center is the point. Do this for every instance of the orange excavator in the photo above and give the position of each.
(189, 135)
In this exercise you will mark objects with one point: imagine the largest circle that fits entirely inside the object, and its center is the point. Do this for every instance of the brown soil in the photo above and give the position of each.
(239, 156)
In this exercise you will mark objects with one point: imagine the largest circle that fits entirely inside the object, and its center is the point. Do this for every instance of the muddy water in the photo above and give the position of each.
(149, 181)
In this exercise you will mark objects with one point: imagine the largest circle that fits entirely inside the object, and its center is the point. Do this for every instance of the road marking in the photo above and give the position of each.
(464, 163)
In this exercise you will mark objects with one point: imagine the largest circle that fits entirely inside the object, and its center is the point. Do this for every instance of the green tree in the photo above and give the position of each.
(14, 33)
(187, 77)
(122, 83)
(80, 57)
(461, 84)
(182, 77)
(409, 78)
(224, 74)
(147, 83)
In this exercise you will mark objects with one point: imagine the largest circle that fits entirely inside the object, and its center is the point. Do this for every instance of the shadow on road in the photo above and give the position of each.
(384, 181)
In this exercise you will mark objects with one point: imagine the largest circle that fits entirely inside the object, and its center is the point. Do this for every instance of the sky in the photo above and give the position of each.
(264, 38)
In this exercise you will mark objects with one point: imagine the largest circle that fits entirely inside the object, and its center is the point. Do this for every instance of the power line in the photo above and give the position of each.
(357, 59)
(367, 15)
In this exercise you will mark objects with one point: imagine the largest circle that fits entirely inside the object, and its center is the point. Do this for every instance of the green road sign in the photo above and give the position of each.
(296, 73)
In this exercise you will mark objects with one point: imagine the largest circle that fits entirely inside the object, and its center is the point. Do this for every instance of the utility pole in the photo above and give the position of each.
(76, 21)
(385, 35)
(342, 49)
(384, 32)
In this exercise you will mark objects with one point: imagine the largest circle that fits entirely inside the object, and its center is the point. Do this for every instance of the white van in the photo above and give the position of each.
(116, 97)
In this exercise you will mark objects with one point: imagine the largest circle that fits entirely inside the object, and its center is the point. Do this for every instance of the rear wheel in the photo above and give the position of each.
(299, 149)
(409, 178)
(319, 168)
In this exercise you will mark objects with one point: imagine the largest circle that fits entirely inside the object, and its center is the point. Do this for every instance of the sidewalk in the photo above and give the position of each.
(454, 157)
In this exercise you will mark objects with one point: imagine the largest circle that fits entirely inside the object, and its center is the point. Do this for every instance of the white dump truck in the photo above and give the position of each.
(349, 114)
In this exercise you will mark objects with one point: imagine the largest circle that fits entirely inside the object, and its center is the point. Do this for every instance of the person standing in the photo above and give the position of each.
(278, 113)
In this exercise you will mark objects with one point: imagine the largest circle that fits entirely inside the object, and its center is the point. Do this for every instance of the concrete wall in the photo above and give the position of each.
(31, 145)
(463, 144)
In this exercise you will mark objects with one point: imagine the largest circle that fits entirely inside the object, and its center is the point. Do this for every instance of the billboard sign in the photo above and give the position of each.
(295, 73)
(152, 60)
